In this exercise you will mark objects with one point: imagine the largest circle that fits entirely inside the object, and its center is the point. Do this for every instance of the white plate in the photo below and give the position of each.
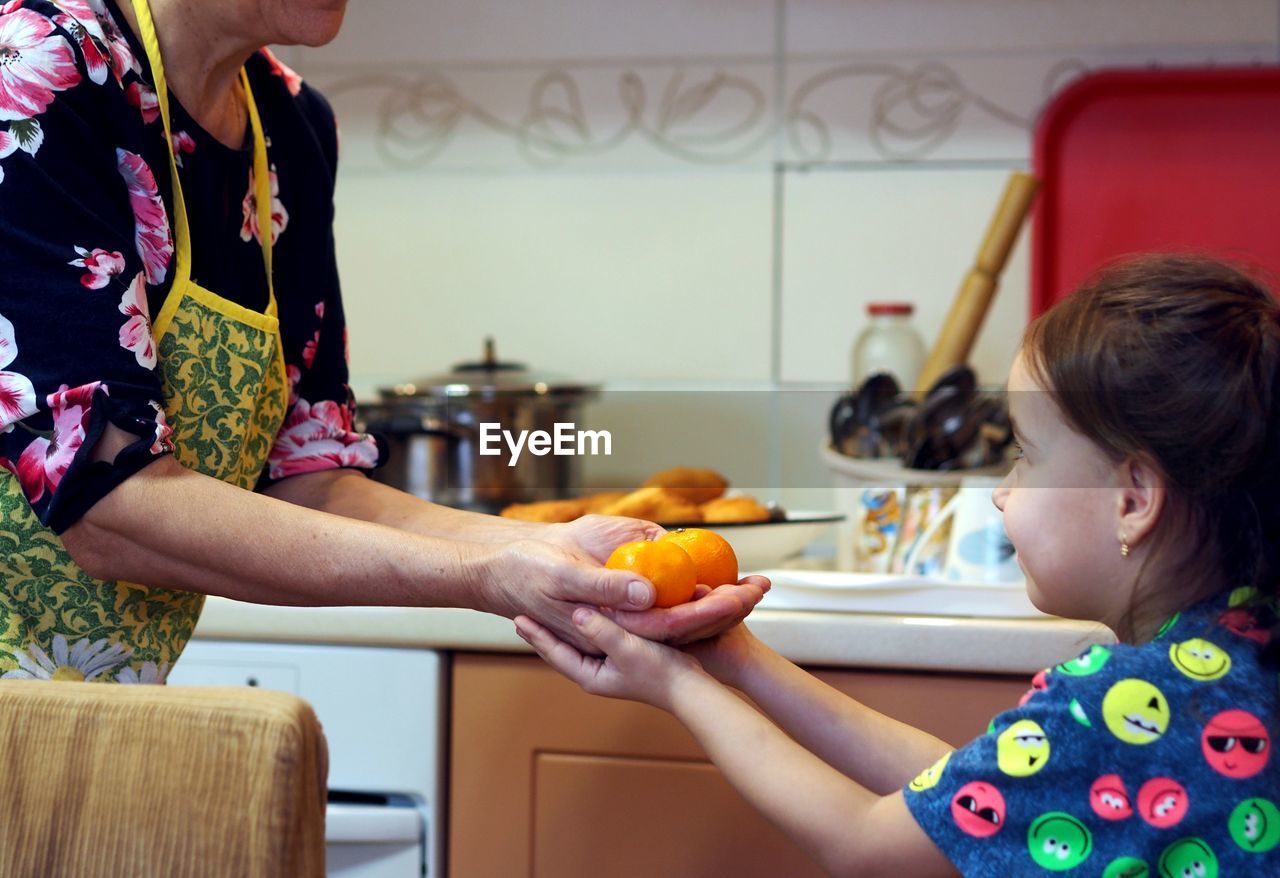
(887, 593)
(768, 543)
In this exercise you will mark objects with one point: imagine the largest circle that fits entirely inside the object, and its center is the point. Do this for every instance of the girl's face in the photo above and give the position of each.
(1061, 506)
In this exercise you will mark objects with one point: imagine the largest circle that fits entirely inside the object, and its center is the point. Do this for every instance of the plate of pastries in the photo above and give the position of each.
(762, 535)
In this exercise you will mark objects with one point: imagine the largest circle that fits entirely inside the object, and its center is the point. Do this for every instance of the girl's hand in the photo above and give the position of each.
(632, 668)
(712, 611)
(725, 655)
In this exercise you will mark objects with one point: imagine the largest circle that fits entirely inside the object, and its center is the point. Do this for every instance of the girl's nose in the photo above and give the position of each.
(1001, 492)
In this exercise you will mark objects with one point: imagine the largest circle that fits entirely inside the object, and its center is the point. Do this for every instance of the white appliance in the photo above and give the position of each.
(383, 712)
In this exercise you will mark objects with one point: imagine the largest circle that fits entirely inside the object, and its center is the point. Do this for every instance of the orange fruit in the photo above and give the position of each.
(711, 553)
(665, 564)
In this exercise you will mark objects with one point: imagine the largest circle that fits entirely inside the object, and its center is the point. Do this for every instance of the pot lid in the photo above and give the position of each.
(489, 376)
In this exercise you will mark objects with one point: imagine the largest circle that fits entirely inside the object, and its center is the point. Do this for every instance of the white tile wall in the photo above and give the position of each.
(907, 234)
(501, 31)
(676, 192)
(997, 26)
(654, 277)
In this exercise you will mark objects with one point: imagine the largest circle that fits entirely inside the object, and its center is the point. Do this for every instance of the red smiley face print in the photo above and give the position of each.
(978, 809)
(1039, 683)
(1162, 802)
(1109, 798)
(1236, 743)
(1245, 623)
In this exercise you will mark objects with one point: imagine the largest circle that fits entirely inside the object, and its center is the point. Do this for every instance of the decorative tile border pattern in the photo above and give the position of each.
(709, 113)
(711, 116)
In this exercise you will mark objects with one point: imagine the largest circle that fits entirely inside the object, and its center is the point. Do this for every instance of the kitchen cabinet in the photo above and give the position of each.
(549, 782)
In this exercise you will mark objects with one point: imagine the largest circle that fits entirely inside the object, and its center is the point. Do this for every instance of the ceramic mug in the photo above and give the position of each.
(923, 504)
(876, 528)
(892, 521)
(978, 549)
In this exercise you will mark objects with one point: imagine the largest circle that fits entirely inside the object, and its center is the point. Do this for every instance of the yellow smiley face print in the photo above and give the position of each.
(1022, 749)
(928, 779)
(1135, 711)
(1199, 659)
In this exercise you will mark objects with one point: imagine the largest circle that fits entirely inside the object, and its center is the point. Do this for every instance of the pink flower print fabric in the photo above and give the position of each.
(317, 437)
(249, 205)
(38, 63)
(17, 394)
(151, 222)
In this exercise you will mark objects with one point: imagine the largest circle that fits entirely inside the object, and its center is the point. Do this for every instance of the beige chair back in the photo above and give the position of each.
(118, 780)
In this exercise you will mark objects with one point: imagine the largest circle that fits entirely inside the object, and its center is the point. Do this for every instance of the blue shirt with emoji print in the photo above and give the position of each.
(1133, 761)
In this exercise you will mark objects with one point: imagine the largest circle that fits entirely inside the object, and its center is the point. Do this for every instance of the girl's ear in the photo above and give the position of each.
(1141, 500)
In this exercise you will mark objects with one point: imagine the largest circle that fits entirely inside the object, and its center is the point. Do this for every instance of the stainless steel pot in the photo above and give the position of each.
(433, 429)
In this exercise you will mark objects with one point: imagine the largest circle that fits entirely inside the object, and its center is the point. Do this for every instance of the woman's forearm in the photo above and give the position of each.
(350, 493)
(877, 751)
(169, 526)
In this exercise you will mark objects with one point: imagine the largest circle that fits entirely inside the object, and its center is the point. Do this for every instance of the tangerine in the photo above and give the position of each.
(712, 555)
(667, 565)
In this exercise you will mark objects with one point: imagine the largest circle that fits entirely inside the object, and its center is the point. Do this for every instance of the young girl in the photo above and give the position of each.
(1147, 497)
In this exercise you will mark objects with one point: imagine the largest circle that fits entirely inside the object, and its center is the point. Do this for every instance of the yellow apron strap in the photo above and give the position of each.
(261, 188)
(261, 172)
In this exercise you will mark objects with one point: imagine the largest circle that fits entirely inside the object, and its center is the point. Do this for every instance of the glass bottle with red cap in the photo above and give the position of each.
(889, 344)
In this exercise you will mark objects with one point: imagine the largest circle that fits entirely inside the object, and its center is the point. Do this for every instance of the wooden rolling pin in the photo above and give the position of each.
(969, 308)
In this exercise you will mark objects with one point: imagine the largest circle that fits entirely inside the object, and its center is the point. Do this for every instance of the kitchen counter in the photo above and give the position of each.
(830, 639)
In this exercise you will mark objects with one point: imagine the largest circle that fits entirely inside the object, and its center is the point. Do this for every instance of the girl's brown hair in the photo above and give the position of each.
(1176, 359)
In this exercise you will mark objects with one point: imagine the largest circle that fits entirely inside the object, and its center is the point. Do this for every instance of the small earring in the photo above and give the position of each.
(1124, 548)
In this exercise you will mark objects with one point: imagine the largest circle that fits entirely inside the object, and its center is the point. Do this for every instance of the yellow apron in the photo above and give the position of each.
(225, 395)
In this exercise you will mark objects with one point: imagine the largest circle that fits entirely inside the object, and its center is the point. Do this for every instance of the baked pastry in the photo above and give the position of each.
(602, 501)
(695, 486)
(546, 511)
(729, 510)
(657, 505)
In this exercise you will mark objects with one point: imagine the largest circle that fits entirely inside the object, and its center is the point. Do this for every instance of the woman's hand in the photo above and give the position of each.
(709, 613)
(712, 611)
(597, 536)
(545, 581)
(632, 667)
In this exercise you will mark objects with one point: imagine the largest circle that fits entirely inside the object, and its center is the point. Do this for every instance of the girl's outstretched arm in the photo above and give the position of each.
(877, 751)
(844, 826)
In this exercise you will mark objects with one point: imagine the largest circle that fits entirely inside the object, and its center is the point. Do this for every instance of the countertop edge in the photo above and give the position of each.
(827, 639)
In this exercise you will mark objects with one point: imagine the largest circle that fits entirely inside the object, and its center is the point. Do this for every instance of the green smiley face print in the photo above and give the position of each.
(1255, 825)
(1127, 867)
(1058, 841)
(1188, 858)
(1089, 663)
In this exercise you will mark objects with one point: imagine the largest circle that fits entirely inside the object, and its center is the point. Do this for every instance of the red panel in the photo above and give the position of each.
(1177, 159)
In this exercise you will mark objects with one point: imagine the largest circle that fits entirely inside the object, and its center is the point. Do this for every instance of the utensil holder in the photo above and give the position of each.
(852, 477)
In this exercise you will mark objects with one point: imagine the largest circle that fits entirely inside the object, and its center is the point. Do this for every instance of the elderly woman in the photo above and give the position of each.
(174, 403)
